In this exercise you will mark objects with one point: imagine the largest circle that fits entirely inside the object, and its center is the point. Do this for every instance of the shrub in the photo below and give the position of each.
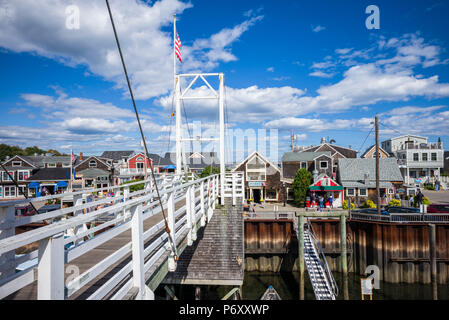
(303, 179)
(369, 204)
(429, 187)
(425, 201)
(394, 203)
(345, 205)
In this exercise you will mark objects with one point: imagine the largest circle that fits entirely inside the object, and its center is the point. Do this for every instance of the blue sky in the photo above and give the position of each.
(311, 66)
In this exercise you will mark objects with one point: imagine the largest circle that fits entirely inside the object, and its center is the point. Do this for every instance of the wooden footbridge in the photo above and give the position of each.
(116, 246)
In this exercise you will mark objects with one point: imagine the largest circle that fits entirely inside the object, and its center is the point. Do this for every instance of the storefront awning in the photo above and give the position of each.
(169, 167)
(326, 188)
(34, 185)
(62, 184)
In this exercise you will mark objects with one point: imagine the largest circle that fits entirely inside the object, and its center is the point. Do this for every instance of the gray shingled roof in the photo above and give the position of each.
(210, 159)
(40, 160)
(93, 173)
(116, 155)
(303, 156)
(352, 172)
(47, 174)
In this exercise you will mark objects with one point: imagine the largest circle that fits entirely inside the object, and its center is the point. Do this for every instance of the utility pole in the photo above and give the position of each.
(291, 140)
(377, 165)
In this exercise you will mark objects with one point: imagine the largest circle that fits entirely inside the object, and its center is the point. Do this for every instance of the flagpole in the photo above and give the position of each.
(174, 53)
(71, 168)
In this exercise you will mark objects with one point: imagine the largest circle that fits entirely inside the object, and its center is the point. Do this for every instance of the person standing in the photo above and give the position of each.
(331, 200)
(321, 199)
(419, 198)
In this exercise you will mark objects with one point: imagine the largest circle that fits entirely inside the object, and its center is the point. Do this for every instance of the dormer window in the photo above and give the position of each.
(256, 169)
(16, 163)
(92, 164)
(51, 165)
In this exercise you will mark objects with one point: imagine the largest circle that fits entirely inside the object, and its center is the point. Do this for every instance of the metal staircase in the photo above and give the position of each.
(323, 282)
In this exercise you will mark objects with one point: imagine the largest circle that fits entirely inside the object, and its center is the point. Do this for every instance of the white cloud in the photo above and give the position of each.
(309, 125)
(270, 69)
(318, 28)
(321, 74)
(343, 50)
(39, 27)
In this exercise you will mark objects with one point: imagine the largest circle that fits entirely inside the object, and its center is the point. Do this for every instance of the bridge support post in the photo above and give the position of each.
(50, 269)
(137, 251)
(202, 206)
(7, 216)
(301, 255)
(344, 257)
(433, 260)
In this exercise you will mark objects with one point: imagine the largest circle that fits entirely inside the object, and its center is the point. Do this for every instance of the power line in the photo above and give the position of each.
(365, 139)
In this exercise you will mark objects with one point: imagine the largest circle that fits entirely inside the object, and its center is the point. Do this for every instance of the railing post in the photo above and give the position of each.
(189, 216)
(210, 210)
(137, 251)
(78, 201)
(171, 225)
(7, 216)
(203, 211)
(234, 184)
(193, 211)
(50, 269)
(125, 198)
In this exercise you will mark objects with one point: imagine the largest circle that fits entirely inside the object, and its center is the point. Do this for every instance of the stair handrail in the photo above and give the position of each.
(328, 272)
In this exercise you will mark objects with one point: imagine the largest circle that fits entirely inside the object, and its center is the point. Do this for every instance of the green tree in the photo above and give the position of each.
(300, 186)
(30, 151)
(6, 150)
(209, 170)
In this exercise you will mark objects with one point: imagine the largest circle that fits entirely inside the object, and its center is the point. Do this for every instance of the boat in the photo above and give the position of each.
(270, 294)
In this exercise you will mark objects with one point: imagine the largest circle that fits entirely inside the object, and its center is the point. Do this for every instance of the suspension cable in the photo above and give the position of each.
(167, 229)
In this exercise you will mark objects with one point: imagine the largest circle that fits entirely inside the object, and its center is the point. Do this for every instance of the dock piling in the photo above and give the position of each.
(301, 256)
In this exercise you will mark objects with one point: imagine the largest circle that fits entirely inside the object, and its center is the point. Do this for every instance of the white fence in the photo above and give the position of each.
(63, 239)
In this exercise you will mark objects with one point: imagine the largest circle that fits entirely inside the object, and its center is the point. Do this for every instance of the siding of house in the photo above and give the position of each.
(85, 165)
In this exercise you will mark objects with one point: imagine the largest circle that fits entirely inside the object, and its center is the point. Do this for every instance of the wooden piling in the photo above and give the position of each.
(301, 255)
(344, 257)
(433, 260)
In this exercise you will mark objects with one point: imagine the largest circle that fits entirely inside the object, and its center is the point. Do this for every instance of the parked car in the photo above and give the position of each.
(24, 211)
(393, 209)
(48, 208)
(438, 208)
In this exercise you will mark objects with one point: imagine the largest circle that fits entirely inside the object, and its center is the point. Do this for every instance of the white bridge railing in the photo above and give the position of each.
(71, 232)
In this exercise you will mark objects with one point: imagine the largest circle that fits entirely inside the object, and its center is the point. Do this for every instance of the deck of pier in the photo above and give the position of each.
(217, 256)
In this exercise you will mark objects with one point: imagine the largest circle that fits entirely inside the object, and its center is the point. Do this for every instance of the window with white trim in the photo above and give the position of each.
(6, 176)
(92, 164)
(390, 191)
(1, 192)
(363, 192)
(256, 169)
(66, 165)
(10, 191)
(323, 164)
(51, 165)
(434, 156)
(424, 156)
(22, 175)
(350, 191)
(22, 191)
(304, 165)
(16, 163)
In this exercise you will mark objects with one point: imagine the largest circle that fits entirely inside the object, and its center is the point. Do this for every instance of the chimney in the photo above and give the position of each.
(366, 178)
(81, 156)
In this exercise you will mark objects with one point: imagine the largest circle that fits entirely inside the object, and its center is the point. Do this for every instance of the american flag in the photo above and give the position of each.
(73, 158)
(178, 47)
